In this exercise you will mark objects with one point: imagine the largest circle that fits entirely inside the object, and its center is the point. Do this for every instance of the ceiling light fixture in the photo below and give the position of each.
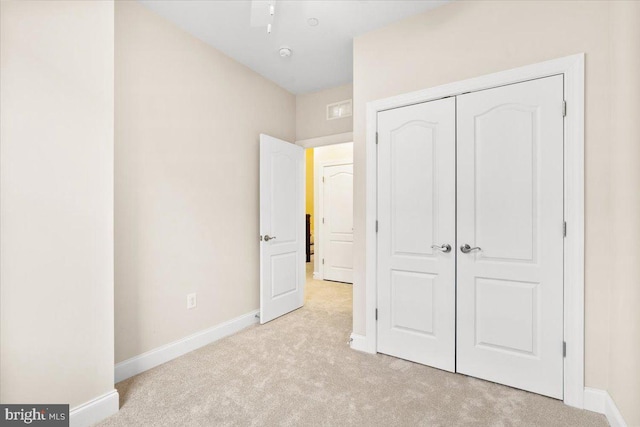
(285, 52)
(313, 22)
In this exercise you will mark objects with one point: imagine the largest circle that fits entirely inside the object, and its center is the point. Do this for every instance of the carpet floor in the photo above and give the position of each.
(298, 370)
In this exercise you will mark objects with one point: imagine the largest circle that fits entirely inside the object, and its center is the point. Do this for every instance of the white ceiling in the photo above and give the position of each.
(322, 55)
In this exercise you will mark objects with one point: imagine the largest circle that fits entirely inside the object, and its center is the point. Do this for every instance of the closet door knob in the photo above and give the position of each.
(465, 249)
(444, 248)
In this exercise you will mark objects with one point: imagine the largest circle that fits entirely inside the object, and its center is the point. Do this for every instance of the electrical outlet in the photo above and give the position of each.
(191, 301)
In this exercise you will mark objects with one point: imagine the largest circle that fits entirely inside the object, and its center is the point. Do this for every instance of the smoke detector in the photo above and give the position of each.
(285, 52)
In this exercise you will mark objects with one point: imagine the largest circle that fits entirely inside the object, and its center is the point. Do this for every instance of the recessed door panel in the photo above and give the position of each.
(412, 167)
(416, 211)
(284, 279)
(510, 214)
(505, 161)
(284, 173)
(506, 315)
(412, 302)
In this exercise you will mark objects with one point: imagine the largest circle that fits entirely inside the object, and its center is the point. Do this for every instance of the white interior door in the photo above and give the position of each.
(416, 233)
(337, 222)
(282, 227)
(510, 212)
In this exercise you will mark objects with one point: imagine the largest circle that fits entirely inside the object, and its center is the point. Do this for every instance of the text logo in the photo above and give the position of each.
(34, 415)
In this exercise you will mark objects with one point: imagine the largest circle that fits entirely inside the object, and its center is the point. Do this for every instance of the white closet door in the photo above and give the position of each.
(337, 227)
(416, 217)
(510, 212)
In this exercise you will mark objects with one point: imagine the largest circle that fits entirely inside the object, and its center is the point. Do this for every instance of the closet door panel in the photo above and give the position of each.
(510, 214)
(416, 220)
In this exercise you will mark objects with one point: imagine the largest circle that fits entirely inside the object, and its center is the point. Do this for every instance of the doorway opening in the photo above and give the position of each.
(329, 219)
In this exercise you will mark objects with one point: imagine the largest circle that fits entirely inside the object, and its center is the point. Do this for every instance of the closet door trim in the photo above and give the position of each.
(572, 68)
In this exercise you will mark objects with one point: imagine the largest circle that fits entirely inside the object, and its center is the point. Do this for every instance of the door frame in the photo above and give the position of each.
(318, 205)
(572, 67)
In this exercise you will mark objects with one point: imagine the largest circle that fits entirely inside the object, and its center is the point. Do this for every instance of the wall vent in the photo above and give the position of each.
(339, 110)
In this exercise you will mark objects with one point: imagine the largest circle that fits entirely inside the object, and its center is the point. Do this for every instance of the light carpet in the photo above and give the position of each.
(298, 370)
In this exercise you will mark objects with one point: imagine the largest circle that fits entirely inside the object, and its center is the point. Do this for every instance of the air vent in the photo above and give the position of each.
(339, 110)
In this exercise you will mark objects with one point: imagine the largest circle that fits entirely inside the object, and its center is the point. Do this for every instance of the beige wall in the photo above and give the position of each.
(624, 365)
(56, 174)
(311, 113)
(467, 39)
(187, 125)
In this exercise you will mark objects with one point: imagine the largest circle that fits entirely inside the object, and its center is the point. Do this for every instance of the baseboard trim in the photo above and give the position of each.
(160, 355)
(360, 343)
(600, 401)
(95, 410)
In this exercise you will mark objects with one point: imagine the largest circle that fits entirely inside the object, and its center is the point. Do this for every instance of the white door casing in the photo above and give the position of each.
(510, 206)
(282, 227)
(572, 68)
(416, 218)
(337, 222)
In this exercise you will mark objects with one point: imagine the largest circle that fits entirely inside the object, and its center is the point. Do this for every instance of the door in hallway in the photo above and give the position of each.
(416, 233)
(337, 222)
(282, 227)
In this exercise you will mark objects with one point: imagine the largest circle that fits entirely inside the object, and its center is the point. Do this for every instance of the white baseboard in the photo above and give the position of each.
(601, 402)
(359, 343)
(95, 410)
(317, 275)
(160, 355)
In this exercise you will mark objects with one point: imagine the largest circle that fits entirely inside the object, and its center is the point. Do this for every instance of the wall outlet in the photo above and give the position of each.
(191, 301)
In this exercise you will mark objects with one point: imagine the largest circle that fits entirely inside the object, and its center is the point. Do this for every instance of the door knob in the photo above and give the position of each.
(267, 237)
(466, 249)
(446, 248)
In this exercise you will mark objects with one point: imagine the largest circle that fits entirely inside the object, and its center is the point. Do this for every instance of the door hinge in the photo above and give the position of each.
(564, 108)
(323, 179)
(376, 225)
(564, 229)
(376, 314)
(322, 261)
(564, 349)
(323, 220)
(376, 138)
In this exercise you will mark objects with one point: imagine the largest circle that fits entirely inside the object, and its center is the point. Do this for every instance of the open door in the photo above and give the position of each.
(282, 227)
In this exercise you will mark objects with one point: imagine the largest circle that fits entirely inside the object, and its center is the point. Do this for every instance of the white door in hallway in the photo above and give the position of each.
(510, 214)
(416, 233)
(337, 222)
(282, 228)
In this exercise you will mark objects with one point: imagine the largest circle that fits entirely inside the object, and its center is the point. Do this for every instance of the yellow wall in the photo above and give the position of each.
(309, 188)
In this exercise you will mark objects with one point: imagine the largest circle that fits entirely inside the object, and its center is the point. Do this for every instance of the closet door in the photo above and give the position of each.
(416, 233)
(510, 214)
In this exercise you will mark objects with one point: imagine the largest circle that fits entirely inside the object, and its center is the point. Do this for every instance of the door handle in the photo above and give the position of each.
(446, 248)
(465, 249)
(267, 237)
